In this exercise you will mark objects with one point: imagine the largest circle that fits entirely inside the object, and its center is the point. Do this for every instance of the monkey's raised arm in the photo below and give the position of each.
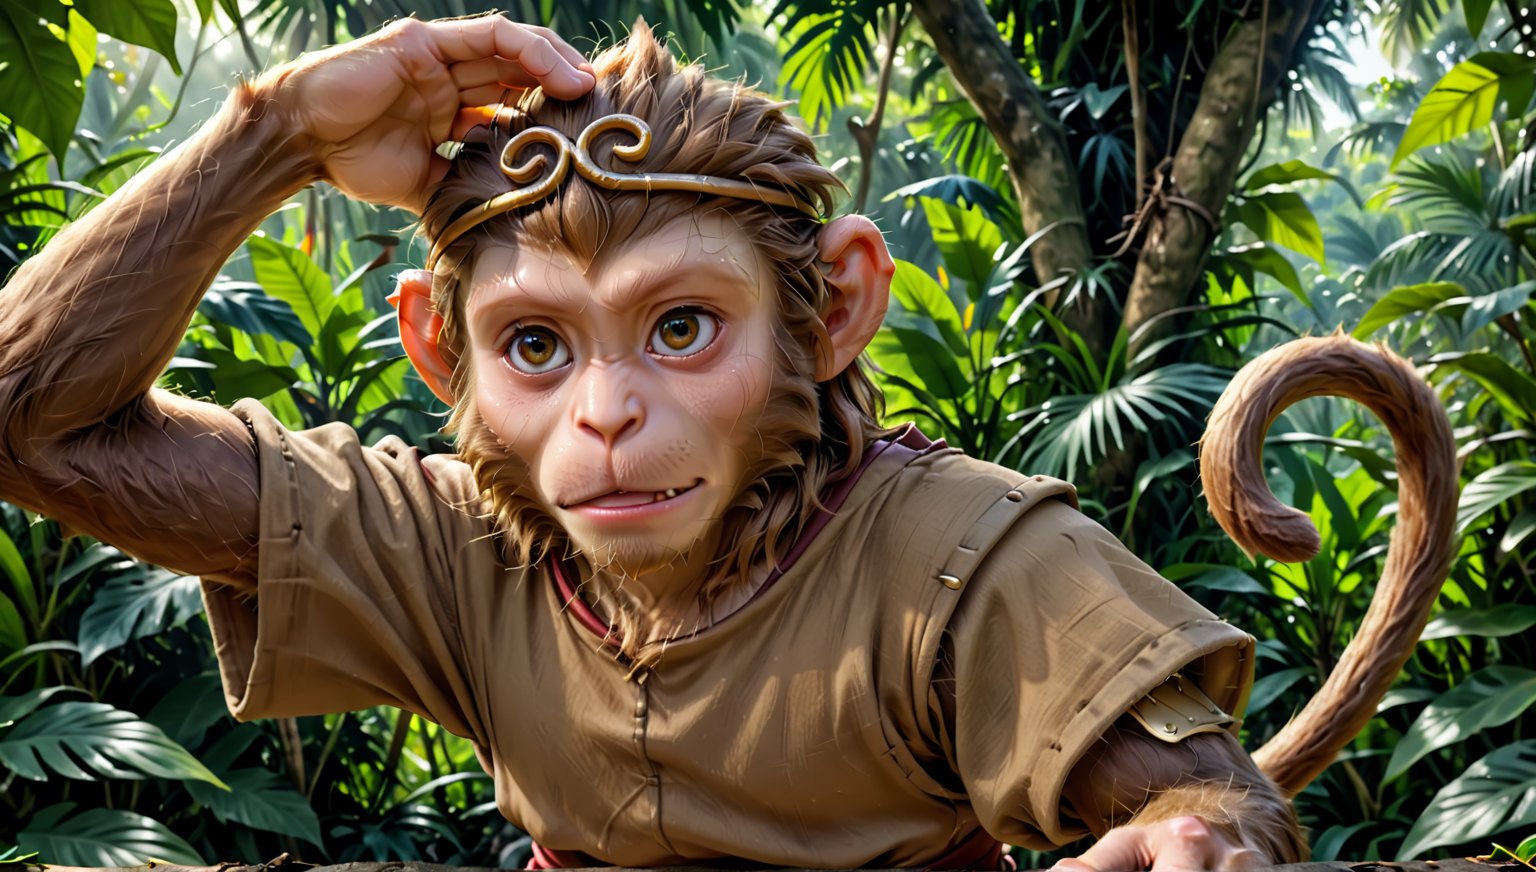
(87, 325)
(1421, 544)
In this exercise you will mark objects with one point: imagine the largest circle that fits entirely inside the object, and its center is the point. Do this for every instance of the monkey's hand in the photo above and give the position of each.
(1178, 844)
(378, 106)
(1196, 804)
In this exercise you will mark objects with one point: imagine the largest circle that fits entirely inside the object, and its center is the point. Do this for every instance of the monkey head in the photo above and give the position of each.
(643, 380)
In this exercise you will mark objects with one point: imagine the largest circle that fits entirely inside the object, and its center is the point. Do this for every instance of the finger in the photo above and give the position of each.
(485, 96)
(489, 71)
(1183, 844)
(567, 51)
(1181, 855)
(1072, 864)
(441, 96)
(1242, 860)
(470, 39)
(1121, 850)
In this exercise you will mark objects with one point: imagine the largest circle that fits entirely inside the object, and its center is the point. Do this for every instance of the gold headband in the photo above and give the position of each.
(535, 189)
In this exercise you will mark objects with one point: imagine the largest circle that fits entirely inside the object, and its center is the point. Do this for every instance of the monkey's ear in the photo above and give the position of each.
(860, 280)
(419, 326)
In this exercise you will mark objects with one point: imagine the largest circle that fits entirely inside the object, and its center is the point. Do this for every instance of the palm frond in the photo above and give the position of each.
(1067, 432)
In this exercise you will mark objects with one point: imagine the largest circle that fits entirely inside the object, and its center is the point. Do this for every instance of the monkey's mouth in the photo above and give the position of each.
(623, 499)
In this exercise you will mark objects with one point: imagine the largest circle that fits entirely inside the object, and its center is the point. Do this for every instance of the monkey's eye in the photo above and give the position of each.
(682, 332)
(537, 350)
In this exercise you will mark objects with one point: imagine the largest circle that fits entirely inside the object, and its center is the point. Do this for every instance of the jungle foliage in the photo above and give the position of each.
(1032, 324)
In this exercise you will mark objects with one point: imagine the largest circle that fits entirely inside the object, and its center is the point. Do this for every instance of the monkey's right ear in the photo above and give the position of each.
(419, 327)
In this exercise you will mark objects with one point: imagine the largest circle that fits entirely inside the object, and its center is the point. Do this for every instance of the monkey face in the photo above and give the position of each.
(631, 388)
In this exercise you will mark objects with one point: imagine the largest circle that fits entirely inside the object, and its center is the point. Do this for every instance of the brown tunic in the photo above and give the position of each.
(802, 730)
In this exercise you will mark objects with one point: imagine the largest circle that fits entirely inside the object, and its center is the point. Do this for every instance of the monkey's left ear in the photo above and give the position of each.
(419, 326)
(860, 280)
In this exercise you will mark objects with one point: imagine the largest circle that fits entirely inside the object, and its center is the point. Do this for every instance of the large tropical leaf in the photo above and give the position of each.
(1486, 698)
(1504, 620)
(260, 799)
(1078, 429)
(137, 601)
(14, 707)
(1406, 300)
(1492, 488)
(1282, 217)
(1465, 98)
(249, 308)
(288, 274)
(1495, 794)
(150, 23)
(103, 837)
(832, 47)
(91, 740)
(967, 241)
(1512, 389)
(41, 89)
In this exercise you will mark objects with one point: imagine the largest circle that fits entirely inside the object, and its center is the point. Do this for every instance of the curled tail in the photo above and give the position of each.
(1421, 544)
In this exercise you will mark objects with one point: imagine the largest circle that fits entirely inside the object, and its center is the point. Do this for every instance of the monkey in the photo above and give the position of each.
(690, 599)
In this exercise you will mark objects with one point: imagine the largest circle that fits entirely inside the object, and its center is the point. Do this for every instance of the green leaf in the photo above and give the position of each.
(1259, 256)
(1406, 300)
(41, 89)
(967, 240)
(1495, 794)
(260, 799)
(1513, 390)
(13, 708)
(1492, 488)
(1476, 12)
(248, 308)
(1282, 217)
(110, 742)
(16, 570)
(81, 37)
(1487, 308)
(919, 295)
(137, 602)
(288, 274)
(103, 837)
(13, 629)
(932, 363)
(1294, 171)
(1495, 622)
(190, 708)
(1464, 99)
(1270, 686)
(150, 23)
(1526, 850)
(1486, 698)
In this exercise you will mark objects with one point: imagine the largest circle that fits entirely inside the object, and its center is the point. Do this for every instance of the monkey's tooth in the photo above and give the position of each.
(671, 492)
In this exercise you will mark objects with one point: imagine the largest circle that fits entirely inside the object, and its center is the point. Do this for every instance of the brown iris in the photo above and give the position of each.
(679, 331)
(536, 350)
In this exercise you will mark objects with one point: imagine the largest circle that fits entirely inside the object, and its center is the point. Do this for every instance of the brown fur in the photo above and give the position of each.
(1131, 777)
(812, 433)
(1421, 546)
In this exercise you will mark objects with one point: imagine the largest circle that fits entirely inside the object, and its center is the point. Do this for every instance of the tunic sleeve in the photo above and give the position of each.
(354, 604)
(1058, 632)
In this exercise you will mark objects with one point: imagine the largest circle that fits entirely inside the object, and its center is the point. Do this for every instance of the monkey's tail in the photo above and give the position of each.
(1421, 544)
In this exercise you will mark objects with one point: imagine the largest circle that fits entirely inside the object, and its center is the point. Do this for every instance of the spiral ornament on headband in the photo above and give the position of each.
(533, 188)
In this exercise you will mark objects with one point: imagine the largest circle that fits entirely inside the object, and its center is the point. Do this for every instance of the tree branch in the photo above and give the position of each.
(1237, 90)
(1042, 170)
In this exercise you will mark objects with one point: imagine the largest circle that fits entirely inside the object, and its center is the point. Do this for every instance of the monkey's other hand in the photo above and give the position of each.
(1180, 844)
(378, 106)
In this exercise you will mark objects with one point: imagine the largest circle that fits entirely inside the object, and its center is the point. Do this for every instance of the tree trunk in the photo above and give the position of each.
(1236, 92)
(1043, 173)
